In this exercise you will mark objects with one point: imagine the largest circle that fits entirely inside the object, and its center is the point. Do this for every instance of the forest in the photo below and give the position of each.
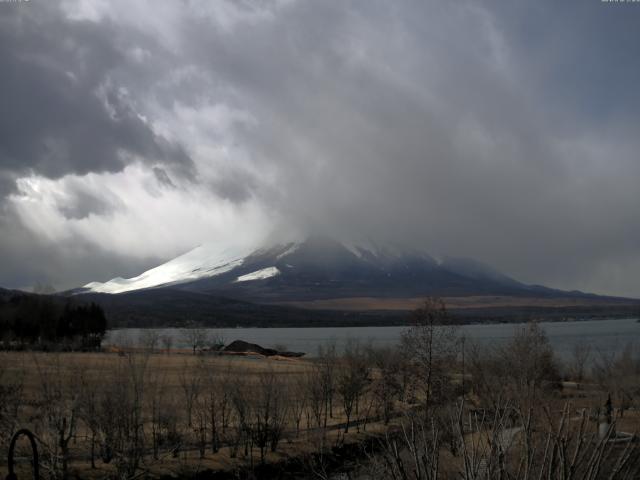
(45, 322)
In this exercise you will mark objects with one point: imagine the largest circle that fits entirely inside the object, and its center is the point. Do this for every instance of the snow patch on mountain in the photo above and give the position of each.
(370, 250)
(359, 249)
(204, 261)
(289, 251)
(259, 274)
(316, 254)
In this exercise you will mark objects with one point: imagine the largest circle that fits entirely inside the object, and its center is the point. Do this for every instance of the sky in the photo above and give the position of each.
(133, 131)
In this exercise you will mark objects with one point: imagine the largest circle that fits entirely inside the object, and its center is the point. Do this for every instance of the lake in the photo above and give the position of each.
(603, 335)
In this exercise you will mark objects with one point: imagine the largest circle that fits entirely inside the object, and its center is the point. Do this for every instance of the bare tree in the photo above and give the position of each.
(157, 407)
(224, 398)
(524, 370)
(58, 402)
(488, 376)
(268, 413)
(213, 398)
(201, 417)
(432, 346)
(579, 362)
(532, 366)
(88, 402)
(205, 396)
(150, 339)
(121, 414)
(412, 452)
(297, 393)
(549, 445)
(388, 384)
(11, 399)
(353, 377)
(167, 343)
(216, 341)
(191, 379)
(316, 398)
(238, 396)
(196, 338)
(325, 367)
(618, 373)
(170, 434)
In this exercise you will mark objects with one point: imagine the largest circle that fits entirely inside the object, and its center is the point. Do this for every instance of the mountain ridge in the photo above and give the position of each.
(321, 268)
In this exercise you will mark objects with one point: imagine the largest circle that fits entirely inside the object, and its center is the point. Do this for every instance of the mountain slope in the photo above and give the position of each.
(168, 307)
(320, 281)
(202, 261)
(320, 268)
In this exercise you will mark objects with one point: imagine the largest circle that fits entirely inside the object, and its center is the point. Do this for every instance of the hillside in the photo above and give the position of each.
(320, 268)
(320, 281)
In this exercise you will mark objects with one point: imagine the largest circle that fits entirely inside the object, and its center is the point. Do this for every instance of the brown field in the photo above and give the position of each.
(408, 304)
(64, 371)
(33, 365)
(168, 409)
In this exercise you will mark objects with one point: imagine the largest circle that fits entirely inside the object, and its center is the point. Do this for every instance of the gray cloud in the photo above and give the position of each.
(163, 177)
(235, 185)
(82, 203)
(62, 113)
(500, 132)
(29, 260)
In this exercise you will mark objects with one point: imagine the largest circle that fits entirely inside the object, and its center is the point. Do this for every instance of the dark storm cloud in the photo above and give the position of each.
(163, 177)
(501, 131)
(510, 140)
(28, 260)
(583, 55)
(235, 185)
(61, 114)
(81, 203)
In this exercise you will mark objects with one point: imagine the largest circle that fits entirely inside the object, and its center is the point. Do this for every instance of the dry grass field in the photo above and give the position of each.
(468, 302)
(178, 393)
(474, 413)
(33, 365)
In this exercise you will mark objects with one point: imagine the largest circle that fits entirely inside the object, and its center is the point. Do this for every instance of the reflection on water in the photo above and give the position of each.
(603, 335)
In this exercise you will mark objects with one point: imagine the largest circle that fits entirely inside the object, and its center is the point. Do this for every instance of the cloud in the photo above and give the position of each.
(64, 113)
(29, 260)
(83, 204)
(162, 177)
(473, 129)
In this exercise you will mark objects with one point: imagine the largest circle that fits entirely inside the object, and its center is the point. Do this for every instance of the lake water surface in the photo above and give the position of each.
(603, 335)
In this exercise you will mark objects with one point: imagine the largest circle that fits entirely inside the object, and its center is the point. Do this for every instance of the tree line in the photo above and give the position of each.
(48, 322)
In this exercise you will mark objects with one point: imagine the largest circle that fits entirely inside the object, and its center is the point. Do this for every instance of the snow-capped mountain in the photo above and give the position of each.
(201, 262)
(317, 268)
(320, 282)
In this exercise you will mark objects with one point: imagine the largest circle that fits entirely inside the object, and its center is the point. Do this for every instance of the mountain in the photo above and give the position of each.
(320, 268)
(321, 281)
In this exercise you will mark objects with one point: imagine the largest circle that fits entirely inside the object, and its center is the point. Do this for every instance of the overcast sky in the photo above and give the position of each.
(507, 131)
